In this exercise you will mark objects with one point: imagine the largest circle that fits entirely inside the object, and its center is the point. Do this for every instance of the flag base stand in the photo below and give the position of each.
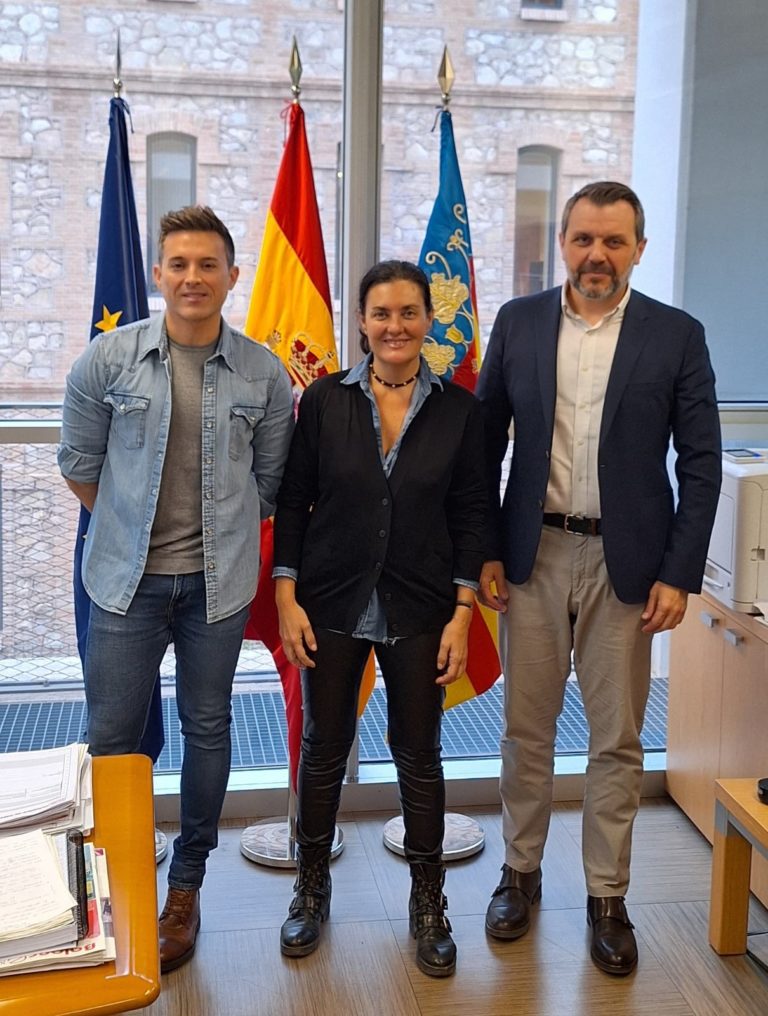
(271, 843)
(463, 836)
(161, 845)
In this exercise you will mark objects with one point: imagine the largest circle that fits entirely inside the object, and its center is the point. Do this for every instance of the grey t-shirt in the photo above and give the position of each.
(176, 541)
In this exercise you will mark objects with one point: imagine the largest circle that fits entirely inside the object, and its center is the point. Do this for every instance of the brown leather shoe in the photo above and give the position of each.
(509, 912)
(179, 924)
(614, 949)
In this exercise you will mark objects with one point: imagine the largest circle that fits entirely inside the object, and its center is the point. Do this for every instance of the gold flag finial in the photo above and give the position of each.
(296, 70)
(445, 77)
(117, 83)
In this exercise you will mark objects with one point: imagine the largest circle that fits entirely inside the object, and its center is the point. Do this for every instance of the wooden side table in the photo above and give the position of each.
(124, 825)
(741, 823)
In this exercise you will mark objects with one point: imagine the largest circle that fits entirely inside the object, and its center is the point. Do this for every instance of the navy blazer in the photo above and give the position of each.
(661, 385)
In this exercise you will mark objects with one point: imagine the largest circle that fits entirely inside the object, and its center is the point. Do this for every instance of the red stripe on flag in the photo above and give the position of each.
(294, 205)
(263, 625)
(483, 667)
(465, 374)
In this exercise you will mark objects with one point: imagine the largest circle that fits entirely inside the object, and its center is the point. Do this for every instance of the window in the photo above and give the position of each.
(543, 10)
(547, 97)
(171, 183)
(535, 213)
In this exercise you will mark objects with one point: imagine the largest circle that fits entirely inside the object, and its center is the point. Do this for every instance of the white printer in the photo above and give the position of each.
(737, 571)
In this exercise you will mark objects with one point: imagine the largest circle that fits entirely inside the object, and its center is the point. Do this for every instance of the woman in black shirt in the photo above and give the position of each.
(379, 543)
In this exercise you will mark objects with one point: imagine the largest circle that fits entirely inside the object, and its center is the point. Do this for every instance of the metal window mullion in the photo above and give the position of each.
(361, 158)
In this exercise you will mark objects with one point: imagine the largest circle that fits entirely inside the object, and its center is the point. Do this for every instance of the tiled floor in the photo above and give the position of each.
(365, 963)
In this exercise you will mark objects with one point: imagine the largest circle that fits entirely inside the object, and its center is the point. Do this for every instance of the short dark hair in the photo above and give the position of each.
(391, 271)
(607, 192)
(195, 219)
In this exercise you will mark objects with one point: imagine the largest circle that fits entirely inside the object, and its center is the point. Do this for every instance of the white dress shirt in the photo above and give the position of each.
(584, 358)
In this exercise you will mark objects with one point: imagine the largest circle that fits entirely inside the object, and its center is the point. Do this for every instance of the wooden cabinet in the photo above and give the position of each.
(694, 712)
(718, 711)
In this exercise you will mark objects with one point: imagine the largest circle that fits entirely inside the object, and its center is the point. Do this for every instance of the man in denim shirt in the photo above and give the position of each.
(175, 432)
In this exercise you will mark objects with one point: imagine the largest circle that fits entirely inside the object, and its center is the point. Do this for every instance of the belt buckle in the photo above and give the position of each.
(566, 520)
(589, 526)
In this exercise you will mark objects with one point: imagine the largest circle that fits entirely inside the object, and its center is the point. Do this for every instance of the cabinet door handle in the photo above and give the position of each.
(733, 636)
(711, 583)
(709, 620)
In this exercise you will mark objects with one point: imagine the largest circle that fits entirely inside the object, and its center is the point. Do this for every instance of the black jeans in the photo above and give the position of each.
(414, 709)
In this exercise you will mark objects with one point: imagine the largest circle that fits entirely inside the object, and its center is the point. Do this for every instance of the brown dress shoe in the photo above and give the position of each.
(179, 924)
(614, 949)
(509, 912)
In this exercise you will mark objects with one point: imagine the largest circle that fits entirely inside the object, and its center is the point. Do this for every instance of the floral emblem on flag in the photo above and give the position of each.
(448, 295)
(454, 326)
(438, 355)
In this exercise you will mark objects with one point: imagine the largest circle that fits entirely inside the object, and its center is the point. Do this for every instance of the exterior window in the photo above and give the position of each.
(543, 10)
(171, 183)
(535, 220)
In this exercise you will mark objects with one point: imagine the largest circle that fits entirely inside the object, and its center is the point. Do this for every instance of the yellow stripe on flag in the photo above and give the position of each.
(483, 659)
(284, 294)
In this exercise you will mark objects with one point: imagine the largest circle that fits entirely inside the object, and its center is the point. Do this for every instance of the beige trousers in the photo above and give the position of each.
(568, 604)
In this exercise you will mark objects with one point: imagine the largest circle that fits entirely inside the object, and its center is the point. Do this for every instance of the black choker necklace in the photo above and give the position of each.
(393, 384)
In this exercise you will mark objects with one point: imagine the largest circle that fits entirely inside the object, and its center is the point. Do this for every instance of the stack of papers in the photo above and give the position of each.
(36, 906)
(50, 788)
(42, 925)
(98, 944)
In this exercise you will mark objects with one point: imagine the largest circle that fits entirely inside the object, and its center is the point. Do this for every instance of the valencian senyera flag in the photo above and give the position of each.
(452, 350)
(290, 312)
(120, 297)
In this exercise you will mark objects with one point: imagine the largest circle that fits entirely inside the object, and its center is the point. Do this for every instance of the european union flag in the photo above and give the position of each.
(120, 297)
(452, 346)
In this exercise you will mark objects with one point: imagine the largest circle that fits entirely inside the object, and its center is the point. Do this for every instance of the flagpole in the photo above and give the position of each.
(445, 78)
(463, 836)
(272, 841)
(117, 82)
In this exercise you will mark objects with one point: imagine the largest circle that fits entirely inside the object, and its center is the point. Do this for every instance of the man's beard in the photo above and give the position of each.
(613, 281)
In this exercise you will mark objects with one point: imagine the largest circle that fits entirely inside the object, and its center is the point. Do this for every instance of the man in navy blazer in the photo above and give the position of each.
(590, 553)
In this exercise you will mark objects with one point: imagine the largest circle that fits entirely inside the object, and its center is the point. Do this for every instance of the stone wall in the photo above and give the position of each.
(217, 69)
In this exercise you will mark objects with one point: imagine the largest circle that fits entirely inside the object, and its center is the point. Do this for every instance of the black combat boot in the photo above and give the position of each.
(435, 949)
(300, 933)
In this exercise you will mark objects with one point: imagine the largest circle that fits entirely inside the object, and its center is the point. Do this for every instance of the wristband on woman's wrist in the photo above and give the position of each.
(460, 603)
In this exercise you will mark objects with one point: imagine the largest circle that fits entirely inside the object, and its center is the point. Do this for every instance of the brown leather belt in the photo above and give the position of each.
(579, 525)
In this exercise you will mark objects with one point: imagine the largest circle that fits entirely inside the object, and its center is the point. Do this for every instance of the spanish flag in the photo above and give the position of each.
(452, 350)
(290, 311)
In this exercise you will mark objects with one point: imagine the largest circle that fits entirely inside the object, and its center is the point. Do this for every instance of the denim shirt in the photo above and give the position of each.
(115, 422)
(372, 623)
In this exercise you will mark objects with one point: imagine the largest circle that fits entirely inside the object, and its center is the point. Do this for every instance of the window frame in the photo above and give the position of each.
(186, 145)
(553, 158)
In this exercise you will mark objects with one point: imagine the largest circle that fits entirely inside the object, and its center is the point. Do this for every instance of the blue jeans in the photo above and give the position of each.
(123, 654)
